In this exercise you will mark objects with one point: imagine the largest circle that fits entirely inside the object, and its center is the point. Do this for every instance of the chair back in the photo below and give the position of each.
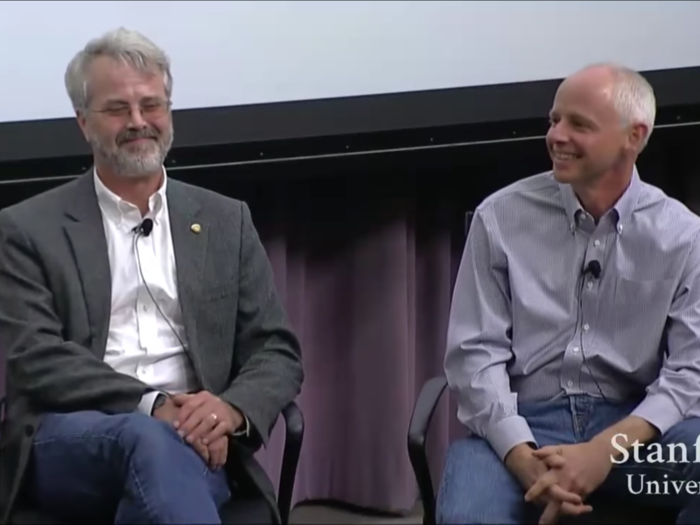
(3, 379)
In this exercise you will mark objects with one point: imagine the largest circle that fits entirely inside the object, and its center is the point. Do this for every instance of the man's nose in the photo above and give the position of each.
(136, 120)
(557, 135)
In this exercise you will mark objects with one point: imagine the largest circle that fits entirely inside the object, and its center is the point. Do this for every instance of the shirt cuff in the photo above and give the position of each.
(243, 431)
(659, 410)
(507, 433)
(146, 403)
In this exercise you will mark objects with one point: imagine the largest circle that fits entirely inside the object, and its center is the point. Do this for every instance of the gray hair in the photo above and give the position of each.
(121, 44)
(633, 97)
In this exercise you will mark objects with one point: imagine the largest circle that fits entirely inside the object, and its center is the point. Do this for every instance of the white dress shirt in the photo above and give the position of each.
(146, 337)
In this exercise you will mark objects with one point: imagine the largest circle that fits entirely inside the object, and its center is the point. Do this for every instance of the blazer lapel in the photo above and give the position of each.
(86, 236)
(190, 239)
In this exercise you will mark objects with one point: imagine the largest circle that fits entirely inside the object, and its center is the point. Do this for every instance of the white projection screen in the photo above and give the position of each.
(239, 53)
(262, 72)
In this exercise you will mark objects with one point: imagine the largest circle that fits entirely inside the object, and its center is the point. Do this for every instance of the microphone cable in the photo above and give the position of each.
(144, 230)
(579, 324)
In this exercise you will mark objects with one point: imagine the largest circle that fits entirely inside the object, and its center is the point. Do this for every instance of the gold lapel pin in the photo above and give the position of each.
(196, 228)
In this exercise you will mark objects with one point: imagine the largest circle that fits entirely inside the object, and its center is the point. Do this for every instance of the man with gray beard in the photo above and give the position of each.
(147, 350)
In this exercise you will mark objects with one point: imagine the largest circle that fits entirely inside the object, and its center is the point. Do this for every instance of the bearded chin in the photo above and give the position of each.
(139, 163)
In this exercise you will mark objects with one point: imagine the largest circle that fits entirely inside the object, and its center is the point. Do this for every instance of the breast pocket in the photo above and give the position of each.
(641, 306)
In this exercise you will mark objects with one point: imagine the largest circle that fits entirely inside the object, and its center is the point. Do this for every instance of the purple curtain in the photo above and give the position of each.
(366, 273)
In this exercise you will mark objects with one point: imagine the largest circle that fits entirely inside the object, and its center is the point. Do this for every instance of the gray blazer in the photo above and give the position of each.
(55, 291)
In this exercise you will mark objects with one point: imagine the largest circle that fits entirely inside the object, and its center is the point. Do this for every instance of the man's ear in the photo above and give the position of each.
(637, 136)
(82, 123)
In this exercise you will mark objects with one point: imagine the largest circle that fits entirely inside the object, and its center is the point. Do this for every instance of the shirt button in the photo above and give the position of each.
(596, 243)
(569, 383)
(576, 349)
(590, 285)
(586, 327)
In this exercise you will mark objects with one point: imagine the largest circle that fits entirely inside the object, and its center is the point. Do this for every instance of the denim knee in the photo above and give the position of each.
(477, 487)
(136, 431)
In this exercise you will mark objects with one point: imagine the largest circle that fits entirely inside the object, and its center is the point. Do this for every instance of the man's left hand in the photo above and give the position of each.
(586, 466)
(204, 416)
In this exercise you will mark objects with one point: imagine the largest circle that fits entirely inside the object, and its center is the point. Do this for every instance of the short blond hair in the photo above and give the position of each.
(122, 44)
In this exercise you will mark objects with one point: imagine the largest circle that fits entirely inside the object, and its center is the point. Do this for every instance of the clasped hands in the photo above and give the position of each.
(204, 421)
(561, 477)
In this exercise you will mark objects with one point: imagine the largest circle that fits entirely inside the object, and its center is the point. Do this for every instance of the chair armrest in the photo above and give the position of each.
(417, 431)
(294, 436)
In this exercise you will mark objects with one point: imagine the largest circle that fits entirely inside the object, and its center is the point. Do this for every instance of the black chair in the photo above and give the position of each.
(430, 394)
(245, 509)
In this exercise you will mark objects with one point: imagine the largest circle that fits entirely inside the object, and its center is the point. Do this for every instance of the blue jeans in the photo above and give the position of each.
(126, 468)
(477, 488)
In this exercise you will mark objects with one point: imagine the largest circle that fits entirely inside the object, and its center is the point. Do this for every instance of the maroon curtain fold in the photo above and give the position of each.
(366, 274)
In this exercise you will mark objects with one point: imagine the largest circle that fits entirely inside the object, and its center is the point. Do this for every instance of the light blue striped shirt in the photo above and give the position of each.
(516, 333)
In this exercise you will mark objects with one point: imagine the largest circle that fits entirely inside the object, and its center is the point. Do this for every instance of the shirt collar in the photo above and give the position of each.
(122, 211)
(623, 208)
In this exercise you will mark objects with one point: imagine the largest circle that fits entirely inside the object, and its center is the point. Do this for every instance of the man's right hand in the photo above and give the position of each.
(521, 462)
(218, 452)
